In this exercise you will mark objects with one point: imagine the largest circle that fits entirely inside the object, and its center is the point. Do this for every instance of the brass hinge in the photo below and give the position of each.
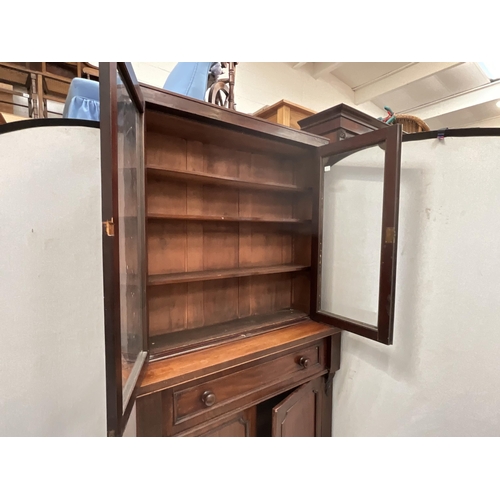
(110, 227)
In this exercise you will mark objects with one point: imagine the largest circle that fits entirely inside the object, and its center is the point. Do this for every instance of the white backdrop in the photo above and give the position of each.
(442, 375)
(52, 366)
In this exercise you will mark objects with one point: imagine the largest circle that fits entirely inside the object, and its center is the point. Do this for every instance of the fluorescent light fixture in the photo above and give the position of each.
(491, 69)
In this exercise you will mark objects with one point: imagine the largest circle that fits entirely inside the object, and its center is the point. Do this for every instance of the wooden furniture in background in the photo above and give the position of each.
(9, 118)
(285, 113)
(340, 122)
(37, 89)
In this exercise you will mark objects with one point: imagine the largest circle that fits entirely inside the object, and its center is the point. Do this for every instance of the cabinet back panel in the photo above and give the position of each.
(220, 246)
(166, 198)
(268, 293)
(167, 151)
(190, 305)
(266, 168)
(222, 161)
(262, 244)
(174, 153)
(266, 204)
(167, 247)
(179, 246)
(182, 198)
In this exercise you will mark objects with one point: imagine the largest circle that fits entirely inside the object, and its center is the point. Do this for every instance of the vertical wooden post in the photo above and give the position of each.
(40, 94)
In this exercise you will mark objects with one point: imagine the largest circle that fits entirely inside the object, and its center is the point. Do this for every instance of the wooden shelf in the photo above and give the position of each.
(220, 274)
(220, 218)
(169, 344)
(207, 178)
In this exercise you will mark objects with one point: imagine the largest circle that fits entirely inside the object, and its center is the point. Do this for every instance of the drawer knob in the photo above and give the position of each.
(208, 398)
(304, 362)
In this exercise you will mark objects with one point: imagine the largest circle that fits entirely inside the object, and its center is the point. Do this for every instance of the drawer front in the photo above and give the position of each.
(209, 395)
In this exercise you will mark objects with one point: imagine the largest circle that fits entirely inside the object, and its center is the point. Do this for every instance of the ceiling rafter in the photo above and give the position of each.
(322, 68)
(451, 104)
(398, 78)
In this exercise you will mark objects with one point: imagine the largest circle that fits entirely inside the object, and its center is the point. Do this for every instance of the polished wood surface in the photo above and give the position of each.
(221, 333)
(211, 393)
(183, 368)
(191, 404)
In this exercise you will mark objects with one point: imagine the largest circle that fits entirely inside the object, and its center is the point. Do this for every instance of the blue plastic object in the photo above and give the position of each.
(189, 79)
(83, 100)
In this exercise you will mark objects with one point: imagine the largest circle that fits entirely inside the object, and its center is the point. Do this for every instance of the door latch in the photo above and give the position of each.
(110, 227)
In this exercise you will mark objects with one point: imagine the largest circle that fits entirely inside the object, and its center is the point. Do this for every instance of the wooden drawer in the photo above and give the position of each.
(210, 394)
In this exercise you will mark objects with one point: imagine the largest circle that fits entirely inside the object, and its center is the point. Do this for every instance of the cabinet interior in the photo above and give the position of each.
(228, 233)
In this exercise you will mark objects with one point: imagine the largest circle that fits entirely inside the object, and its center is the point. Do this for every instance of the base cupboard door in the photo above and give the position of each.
(241, 424)
(299, 415)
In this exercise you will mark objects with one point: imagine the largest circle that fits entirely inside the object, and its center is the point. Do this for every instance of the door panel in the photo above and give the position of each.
(299, 415)
(124, 243)
(240, 425)
(355, 233)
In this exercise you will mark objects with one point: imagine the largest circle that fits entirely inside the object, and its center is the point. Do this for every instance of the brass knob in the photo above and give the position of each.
(208, 398)
(304, 362)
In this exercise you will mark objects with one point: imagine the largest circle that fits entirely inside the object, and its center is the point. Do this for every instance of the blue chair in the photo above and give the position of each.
(189, 79)
(82, 100)
(192, 79)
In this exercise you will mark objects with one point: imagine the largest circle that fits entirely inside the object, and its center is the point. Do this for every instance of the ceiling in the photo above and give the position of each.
(442, 94)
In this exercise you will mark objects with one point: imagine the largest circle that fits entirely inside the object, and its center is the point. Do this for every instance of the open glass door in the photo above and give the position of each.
(124, 242)
(356, 223)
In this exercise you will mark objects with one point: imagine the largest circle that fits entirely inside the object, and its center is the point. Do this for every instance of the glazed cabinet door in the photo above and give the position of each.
(299, 415)
(355, 233)
(124, 242)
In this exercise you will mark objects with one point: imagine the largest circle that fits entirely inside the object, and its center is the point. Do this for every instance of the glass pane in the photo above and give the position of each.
(352, 224)
(131, 233)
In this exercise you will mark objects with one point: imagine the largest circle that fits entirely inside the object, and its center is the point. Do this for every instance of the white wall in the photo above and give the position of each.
(52, 366)
(261, 84)
(442, 375)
